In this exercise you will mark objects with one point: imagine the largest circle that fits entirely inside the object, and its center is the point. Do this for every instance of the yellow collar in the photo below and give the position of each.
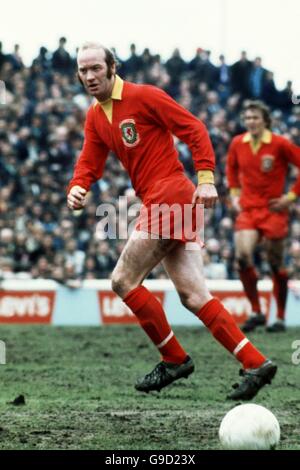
(116, 94)
(117, 90)
(266, 137)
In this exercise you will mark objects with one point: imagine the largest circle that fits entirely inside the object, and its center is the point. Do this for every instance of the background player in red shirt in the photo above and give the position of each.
(257, 167)
(137, 123)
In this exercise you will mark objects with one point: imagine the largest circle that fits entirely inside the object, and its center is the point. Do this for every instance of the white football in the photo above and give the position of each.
(251, 427)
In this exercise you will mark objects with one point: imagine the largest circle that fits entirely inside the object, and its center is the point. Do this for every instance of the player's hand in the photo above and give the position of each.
(205, 194)
(77, 198)
(235, 201)
(279, 204)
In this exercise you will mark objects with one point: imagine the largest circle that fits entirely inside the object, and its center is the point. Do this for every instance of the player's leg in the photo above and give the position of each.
(275, 251)
(186, 271)
(245, 243)
(138, 258)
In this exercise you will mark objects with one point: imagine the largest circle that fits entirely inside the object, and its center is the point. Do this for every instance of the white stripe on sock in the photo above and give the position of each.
(240, 346)
(166, 340)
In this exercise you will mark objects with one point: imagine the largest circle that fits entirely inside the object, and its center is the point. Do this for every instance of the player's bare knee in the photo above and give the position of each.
(193, 301)
(275, 261)
(275, 253)
(120, 284)
(275, 266)
(244, 261)
(116, 284)
(188, 301)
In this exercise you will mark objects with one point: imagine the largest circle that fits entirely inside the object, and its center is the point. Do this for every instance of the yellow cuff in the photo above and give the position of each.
(206, 176)
(235, 191)
(292, 196)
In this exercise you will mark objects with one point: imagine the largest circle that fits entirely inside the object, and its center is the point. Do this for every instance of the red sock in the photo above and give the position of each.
(223, 327)
(249, 280)
(280, 290)
(154, 322)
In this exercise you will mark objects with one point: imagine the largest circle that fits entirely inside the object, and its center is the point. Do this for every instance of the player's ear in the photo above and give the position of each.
(111, 71)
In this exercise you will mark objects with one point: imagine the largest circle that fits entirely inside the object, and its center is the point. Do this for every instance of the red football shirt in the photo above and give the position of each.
(261, 176)
(140, 135)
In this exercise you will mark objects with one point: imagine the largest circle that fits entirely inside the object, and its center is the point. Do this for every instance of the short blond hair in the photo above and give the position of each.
(256, 105)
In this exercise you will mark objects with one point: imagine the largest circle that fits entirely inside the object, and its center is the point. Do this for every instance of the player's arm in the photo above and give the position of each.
(232, 175)
(293, 156)
(89, 167)
(291, 153)
(193, 132)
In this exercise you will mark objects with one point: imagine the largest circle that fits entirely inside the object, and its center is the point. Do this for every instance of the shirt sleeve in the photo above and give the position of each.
(292, 154)
(232, 167)
(91, 161)
(182, 124)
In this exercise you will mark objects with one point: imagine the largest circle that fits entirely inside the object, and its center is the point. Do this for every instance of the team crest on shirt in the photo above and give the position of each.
(267, 163)
(130, 134)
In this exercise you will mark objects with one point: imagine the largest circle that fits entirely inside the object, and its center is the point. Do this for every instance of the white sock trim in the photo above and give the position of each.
(240, 346)
(166, 340)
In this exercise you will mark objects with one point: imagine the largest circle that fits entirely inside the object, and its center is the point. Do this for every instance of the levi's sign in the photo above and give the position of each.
(26, 307)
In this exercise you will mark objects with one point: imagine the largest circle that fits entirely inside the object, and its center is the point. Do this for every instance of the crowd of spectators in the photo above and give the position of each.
(41, 134)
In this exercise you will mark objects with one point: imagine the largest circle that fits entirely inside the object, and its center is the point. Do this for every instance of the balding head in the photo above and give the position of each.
(96, 69)
(97, 47)
(91, 45)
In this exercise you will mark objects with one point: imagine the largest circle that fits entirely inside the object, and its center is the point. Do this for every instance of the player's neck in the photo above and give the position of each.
(108, 92)
(257, 136)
